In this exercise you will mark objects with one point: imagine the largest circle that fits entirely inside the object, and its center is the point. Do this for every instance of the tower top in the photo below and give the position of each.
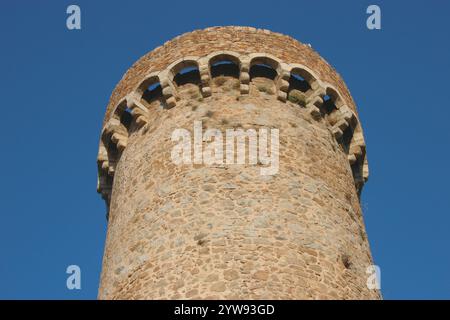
(326, 96)
(238, 39)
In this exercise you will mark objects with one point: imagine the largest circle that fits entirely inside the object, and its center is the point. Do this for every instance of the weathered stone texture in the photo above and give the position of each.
(226, 232)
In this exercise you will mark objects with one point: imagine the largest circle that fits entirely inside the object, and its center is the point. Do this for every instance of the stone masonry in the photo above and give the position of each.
(225, 231)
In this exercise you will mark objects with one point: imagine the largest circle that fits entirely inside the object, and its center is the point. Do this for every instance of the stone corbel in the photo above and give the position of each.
(283, 83)
(205, 76)
(119, 140)
(346, 114)
(102, 158)
(313, 94)
(357, 147)
(138, 111)
(117, 133)
(168, 89)
(313, 107)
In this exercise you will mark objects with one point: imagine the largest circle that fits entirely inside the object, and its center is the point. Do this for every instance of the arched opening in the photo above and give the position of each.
(124, 115)
(262, 70)
(187, 74)
(330, 101)
(186, 77)
(298, 86)
(263, 74)
(126, 119)
(328, 105)
(225, 72)
(224, 67)
(297, 82)
(153, 93)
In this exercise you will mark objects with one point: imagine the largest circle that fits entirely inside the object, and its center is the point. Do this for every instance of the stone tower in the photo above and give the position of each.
(224, 231)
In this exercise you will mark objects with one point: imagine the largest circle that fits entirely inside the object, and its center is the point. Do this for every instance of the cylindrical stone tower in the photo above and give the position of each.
(197, 230)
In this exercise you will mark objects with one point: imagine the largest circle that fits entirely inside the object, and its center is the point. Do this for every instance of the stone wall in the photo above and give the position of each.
(225, 231)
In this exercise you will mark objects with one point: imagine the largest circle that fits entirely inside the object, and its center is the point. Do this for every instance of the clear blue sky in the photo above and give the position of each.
(55, 84)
